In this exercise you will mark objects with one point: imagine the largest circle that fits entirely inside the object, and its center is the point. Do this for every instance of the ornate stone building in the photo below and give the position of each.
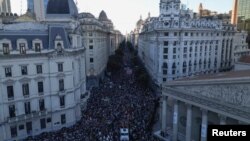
(101, 41)
(241, 48)
(189, 105)
(134, 35)
(42, 75)
(179, 43)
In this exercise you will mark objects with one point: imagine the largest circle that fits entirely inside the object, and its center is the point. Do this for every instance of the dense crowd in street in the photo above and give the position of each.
(118, 103)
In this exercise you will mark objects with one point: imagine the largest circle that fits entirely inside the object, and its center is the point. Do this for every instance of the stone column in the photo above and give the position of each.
(222, 119)
(189, 122)
(175, 121)
(204, 125)
(164, 115)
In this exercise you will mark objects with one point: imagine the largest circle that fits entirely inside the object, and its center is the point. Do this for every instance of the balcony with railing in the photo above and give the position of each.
(31, 115)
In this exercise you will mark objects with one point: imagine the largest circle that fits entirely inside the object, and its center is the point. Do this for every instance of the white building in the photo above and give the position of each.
(39, 10)
(5, 6)
(240, 46)
(42, 77)
(101, 41)
(178, 43)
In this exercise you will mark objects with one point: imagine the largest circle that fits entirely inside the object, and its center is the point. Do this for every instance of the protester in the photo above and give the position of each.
(119, 102)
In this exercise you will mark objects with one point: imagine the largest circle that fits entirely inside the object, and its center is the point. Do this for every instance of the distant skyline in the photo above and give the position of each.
(125, 13)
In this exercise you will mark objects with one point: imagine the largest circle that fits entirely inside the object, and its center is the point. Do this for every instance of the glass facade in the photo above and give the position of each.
(31, 5)
(244, 14)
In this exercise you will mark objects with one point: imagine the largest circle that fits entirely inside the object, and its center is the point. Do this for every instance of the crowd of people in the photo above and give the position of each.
(119, 102)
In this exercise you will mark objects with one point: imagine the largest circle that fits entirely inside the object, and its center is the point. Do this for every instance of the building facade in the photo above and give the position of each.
(179, 44)
(31, 5)
(188, 106)
(101, 41)
(5, 6)
(241, 47)
(241, 14)
(42, 76)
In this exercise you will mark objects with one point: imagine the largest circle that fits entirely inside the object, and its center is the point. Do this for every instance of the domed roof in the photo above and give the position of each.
(103, 16)
(62, 7)
(140, 22)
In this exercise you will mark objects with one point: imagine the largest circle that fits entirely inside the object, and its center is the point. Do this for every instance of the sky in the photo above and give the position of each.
(125, 13)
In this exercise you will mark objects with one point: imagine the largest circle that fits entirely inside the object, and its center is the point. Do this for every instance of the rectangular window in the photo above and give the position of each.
(24, 70)
(185, 49)
(175, 33)
(185, 43)
(186, 33)
(40, 87)
(174, 50)
(10, 92)
(12, 111)
(61, 85)
(174, 56)
(13, 131)
(43, 123)
(165, 43)
(41, 105)
(175, 43)
(90, 34)
(63, 119)
(166, 34)
(37, 47)
(6, 49)
(173, 72)
(60, 67)
(165, 50)
(29, 127)
(62, 101)
(164, 79)
(165, 72)
(27, 108)
(22, 48)
(39, 69)
(91, 41)
(91, 47)
(91, 60)
(165, 56)
(8, 72)
(25, 89)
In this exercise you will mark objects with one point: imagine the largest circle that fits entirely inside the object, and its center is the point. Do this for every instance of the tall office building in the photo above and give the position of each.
(38, 7)
(31, 5)
(5, 6)
(241, 14)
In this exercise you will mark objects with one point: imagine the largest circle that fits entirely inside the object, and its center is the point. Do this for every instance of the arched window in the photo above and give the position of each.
(59, 47)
